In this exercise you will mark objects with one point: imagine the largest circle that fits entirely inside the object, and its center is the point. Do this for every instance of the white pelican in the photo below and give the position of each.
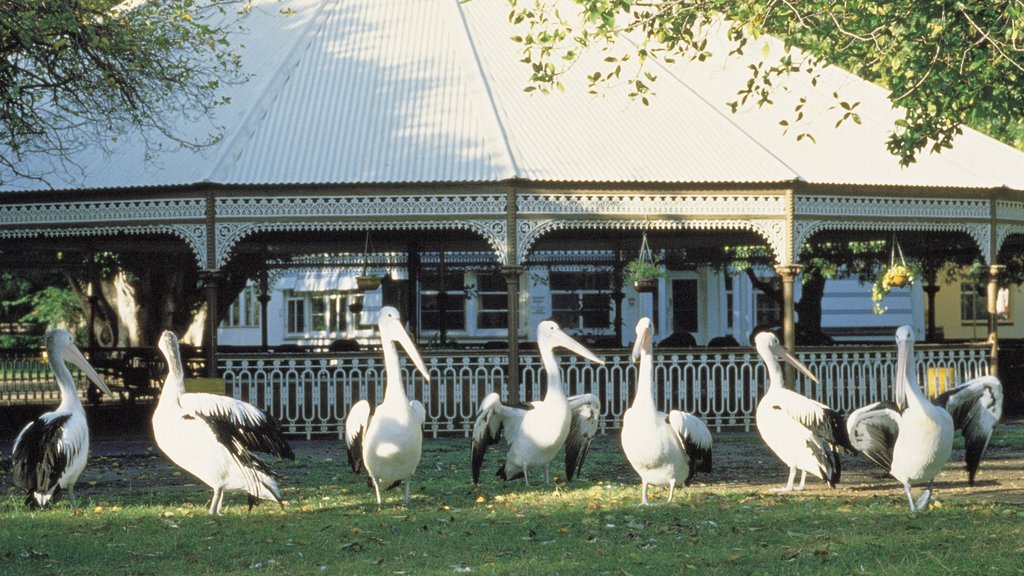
(662, 449)
(388, 441)
(51, 451)
(535, 432)
(213, 437)
(912, 438)
(976, 408)
(805, 434)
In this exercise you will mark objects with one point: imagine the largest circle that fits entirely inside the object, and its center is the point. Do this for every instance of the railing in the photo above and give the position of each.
(311, 393)
(26, 378)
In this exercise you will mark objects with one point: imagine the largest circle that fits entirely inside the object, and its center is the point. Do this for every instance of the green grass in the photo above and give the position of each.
(331, 526)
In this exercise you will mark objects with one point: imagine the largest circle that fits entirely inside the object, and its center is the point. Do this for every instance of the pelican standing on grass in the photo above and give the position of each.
(805, 434)
(535, 432)
(388, 441)
(976, 408)
(912, 438)
(51, 451)
(213, 437)
(663, 449)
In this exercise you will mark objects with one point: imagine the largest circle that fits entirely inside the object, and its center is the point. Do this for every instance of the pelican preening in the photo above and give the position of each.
(976, 408)
(213, 437)
(911, 438)
(51, 451)
(388, 441)
(662, 449)
(535, 432)
(805, 434)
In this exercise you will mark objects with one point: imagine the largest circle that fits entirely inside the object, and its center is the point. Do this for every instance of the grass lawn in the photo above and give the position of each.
(138, 515)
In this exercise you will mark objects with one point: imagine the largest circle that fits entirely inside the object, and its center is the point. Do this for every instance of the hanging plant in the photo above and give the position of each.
(643, 271)
(896, 275)
(366, 282)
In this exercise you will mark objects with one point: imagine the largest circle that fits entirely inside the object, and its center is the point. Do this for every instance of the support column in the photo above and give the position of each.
(993, 319)
(264, 300)
(931, 289)
(512, 275)
(788, 273)
(211, 282)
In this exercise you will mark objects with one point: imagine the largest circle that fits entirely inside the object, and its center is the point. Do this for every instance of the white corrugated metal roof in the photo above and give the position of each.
(400, 91)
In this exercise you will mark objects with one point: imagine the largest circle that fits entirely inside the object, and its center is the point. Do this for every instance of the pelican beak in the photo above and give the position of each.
(403, 338)
(73, 355)
(780, 351)
(565, 341)
(643, 340)
(900, 388)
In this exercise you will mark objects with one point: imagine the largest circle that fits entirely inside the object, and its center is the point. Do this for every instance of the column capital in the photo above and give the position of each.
(789, 270)
(994, 270)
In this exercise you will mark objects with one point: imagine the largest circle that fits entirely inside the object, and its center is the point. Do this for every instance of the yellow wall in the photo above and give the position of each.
(947, 314)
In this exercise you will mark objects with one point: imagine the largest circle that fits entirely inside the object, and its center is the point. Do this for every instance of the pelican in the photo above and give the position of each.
(213, 437)
(388, 441)
(976, 408)
(51, 451)
(535, 432)
(912, 438)
(662, 449)
(805, 434)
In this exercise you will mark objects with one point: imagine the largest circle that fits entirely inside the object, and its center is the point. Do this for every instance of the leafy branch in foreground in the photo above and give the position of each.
(946, 64)
(82, 73)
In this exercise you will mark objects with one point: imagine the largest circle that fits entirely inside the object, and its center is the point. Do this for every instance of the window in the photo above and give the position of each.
(451, 302)
(245, 310)
(685, 306)
(769, 310)
(492, 302)
(972, 304)
(296, 315)
(581, 300)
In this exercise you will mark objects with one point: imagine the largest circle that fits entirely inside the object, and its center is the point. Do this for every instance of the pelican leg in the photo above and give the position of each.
(376, 490)
(643, 494)
(71, 495)
(926, 497)
(910, 499)
(547, 475)
(803, 479)
(214, 507)
(671, 489)
(789, 484)
(405, 493)
(526, 476)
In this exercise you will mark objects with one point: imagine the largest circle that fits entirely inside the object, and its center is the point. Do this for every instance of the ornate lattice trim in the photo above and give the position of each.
(105, 212)
(362, 206)
(229, 234)
(890, 207)
(194, 235)
(652, 204)
(981, 233)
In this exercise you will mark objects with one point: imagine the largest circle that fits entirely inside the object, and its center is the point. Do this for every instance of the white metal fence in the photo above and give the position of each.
(311, 394)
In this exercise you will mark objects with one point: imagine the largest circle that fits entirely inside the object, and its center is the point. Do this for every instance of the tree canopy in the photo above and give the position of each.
(81, 73)
(947, 64)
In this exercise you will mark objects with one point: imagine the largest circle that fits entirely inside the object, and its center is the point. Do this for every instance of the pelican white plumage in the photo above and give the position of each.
(214, 437)
(51, 451)
(388, 441)
(805, 434)
(911, 438)
(535, 432)
(663, 449)
(976, 407)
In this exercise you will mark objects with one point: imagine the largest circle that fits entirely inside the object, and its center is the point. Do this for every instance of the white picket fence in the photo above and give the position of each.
(311, 394)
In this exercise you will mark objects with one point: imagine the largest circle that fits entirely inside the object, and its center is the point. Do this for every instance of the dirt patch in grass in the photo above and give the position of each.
(124, 464)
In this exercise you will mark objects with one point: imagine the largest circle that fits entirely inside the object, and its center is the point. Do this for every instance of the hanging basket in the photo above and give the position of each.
(368, 283)
(897, 275)
(645, 285)
(899, 278)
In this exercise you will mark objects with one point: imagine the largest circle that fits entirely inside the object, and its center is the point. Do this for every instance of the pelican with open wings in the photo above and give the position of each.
(976, 408)
(663, 449)
(388, 440)
(911, 438)
(214, 437)
(51, 451)
(535, 432)
(805, 434)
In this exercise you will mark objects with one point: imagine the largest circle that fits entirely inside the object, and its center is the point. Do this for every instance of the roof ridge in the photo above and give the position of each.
(505, 140)
(797, 176)
(245, 128)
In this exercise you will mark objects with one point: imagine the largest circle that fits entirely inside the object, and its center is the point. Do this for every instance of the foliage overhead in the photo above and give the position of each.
(83, 73)
(946, 64)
